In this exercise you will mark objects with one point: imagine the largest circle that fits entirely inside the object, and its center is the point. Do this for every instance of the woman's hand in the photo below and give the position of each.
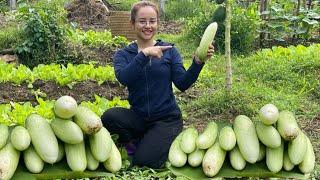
(155, 51)
(209, 54)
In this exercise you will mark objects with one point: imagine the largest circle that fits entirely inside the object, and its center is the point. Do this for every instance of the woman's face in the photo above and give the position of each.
(146, 23)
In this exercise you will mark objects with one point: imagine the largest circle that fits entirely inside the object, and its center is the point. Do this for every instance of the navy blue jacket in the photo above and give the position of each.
(149, 80)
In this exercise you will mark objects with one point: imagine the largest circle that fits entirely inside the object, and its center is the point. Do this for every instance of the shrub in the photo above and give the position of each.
(44, 31)
(243, 29)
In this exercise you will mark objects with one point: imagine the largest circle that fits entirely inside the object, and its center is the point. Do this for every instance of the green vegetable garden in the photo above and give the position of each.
(253, 113)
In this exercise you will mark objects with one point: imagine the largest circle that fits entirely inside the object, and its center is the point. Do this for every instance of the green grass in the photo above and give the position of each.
(10, 37)
(287, 77)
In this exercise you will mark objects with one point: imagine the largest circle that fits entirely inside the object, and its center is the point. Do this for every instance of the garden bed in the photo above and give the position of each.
(81, 91)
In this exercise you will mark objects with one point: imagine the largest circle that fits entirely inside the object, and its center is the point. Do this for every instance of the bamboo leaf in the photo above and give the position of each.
(58, 171)
(251, 170)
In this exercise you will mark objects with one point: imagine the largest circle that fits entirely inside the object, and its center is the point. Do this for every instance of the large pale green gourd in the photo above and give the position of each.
(4, 134)
(43, 138)
(206, 40)
(213, 160)
(309, 161)
(76, 156)
(114, 162)
(247, 139)
(9, 159)
(176, 156)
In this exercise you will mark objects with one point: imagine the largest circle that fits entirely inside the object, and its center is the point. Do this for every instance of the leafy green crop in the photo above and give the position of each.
(16, 113)
(96, 38)
(63, 75)
(102, 104)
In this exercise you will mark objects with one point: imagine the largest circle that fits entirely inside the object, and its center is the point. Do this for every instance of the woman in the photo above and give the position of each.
(148, 67)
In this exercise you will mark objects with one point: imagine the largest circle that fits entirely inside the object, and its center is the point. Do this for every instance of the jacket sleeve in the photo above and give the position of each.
(181, 78)
(127, 71)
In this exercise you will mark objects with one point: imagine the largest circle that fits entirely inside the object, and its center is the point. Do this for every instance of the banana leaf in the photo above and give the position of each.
(58, 171)
(252, 170)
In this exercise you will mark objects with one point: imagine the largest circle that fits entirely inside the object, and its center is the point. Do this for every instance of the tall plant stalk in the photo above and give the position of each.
(228, 46)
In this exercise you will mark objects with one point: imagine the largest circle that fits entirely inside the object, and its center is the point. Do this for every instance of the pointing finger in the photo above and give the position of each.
(165, 47)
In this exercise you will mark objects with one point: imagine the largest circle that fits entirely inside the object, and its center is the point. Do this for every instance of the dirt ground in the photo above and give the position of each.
(82, 91)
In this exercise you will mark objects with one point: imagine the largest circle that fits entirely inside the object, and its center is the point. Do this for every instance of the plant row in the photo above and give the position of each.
(16, 113)
(62, 75)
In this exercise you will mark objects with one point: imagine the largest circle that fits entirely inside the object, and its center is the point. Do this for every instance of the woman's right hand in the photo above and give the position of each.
(155, 51)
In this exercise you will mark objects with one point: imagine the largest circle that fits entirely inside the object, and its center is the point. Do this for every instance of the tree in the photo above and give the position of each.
(13, 4)
(162, 5)
(228, 46)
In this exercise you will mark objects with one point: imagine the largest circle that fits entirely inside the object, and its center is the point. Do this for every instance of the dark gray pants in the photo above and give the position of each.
(155, 135)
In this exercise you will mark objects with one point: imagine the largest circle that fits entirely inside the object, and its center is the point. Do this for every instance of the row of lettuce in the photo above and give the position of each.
(16, 113)
(299, 58)
(62, 75)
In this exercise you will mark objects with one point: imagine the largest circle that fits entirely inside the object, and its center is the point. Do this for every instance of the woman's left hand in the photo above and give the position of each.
(209, 54)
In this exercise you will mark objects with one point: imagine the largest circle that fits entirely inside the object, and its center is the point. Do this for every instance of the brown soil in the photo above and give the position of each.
(170, 27)
(82, 91)
(84, 54)
(88, 14)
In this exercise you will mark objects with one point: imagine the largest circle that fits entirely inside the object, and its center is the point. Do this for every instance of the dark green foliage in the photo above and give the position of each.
(4, 6)
(219, 1)
(243, 30)
(44, 34)
(219, 14)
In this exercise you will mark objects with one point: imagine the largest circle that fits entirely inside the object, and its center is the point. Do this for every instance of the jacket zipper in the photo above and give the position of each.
(145, 73)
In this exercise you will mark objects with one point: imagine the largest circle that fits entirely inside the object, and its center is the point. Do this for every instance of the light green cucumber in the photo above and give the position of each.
(101, 144)
(176, 156)
(297, 148)
(208, 137)
(67, 131)
(61, 151)
(287, 164)
(287, 125)
(213, 160)
(227, 138)
(195, 158)
(76, 156)
(247, 138)
(9, 160)
(268, 135)
(236, 159)
(43, 138)
(65, 107)
(188, 140)
(20, 138)
(262, 152)
(89, 122)
(32, 160)
(92, 163)
(274, 158)
(4, 134)
(206, 40)
(114, 162)
(308, 163)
